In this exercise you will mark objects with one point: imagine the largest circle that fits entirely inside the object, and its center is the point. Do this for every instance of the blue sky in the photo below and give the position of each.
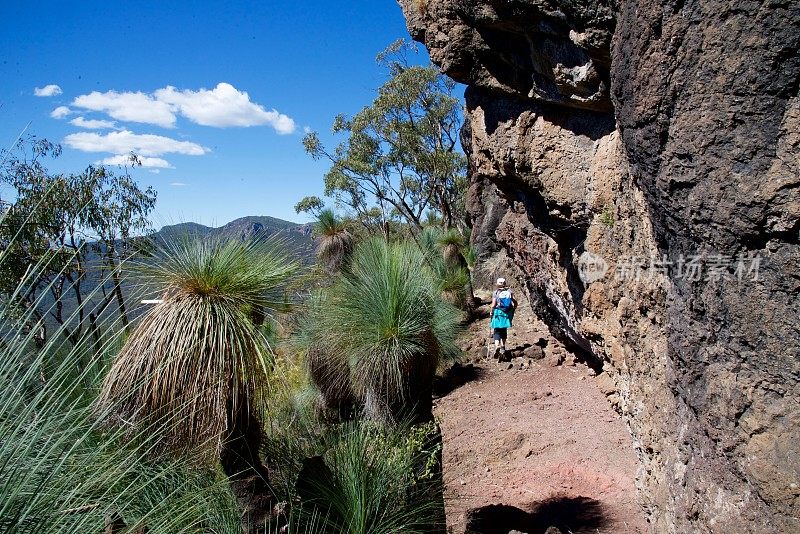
(168, 79)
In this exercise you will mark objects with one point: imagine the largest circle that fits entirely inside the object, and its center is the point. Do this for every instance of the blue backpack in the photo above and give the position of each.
(504, 303)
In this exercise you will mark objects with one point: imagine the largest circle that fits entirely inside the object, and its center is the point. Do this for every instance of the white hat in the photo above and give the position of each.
(501, 282)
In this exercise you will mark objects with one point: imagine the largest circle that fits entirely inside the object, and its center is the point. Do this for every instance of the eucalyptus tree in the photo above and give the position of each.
(51, 221)
(400, 157)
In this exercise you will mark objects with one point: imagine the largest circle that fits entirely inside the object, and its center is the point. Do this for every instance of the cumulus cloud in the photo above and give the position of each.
(125, 159)
(221, 107)
(92, 124)
(131, 107)
(48, 90)
(60, 112)
(124, 142)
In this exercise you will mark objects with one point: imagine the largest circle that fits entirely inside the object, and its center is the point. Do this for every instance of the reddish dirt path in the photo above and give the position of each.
(540, 442)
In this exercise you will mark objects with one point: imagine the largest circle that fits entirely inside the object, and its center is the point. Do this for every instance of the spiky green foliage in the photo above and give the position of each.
(368, 484)
(60, 473)
(442, 249)
(452, 242)
(451, 237)
(384, 317)
(359, 477)
(335, 240)
(198, 355)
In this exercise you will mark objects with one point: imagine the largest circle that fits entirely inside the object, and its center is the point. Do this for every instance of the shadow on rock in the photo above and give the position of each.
(455, 377)
(566, 514)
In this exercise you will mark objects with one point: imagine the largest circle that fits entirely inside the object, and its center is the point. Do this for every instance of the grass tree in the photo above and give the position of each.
(442, 250)
(384, 328)
(335, 241)
(59, 472)
(384, 321)
(197, 364)
(453, 245)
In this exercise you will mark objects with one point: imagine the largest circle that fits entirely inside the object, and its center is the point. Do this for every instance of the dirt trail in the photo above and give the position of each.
(530, 444)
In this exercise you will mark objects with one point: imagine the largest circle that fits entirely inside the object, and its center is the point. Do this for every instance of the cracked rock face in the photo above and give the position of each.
(538, 50)
(637, 165)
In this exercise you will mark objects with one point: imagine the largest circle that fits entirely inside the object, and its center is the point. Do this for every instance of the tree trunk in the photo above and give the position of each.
(248, 476)
(123, 313)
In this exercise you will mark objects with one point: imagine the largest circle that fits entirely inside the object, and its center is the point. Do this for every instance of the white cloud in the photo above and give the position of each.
(223, 106)
(125, 141)
(177, 184)
(125, 159)
(60, 112)
(131, 107)
(48, 90)
(92, 124)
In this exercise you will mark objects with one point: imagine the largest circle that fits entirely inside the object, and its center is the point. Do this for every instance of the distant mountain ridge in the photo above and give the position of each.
(297, 237)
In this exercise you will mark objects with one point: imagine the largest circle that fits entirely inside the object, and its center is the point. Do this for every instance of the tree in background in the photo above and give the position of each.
(118, 211)
(335, 241)
(51, 223)
(400, 159)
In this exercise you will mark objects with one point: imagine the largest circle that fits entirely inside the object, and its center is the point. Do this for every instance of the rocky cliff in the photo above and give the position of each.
(638, 164)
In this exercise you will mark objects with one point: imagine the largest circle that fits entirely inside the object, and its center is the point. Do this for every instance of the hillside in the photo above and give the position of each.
(297, 237)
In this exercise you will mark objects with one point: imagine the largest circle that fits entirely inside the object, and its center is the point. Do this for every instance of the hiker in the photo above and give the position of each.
(503, 306)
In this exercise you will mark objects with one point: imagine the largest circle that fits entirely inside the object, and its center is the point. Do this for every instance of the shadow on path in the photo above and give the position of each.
(455, 377)
(568, 514)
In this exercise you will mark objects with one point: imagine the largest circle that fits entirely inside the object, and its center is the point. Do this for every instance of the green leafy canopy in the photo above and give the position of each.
(401, 154)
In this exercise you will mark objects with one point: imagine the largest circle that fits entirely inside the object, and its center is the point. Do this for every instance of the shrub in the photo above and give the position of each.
(359, 477)
(385, 323)
(60, 473)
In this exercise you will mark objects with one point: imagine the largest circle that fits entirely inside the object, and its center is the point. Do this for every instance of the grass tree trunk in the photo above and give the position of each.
(248, 476)
(337, 402)
(415, 406)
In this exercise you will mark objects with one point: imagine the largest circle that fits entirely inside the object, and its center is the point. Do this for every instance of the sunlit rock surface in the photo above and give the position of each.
(637, 164)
